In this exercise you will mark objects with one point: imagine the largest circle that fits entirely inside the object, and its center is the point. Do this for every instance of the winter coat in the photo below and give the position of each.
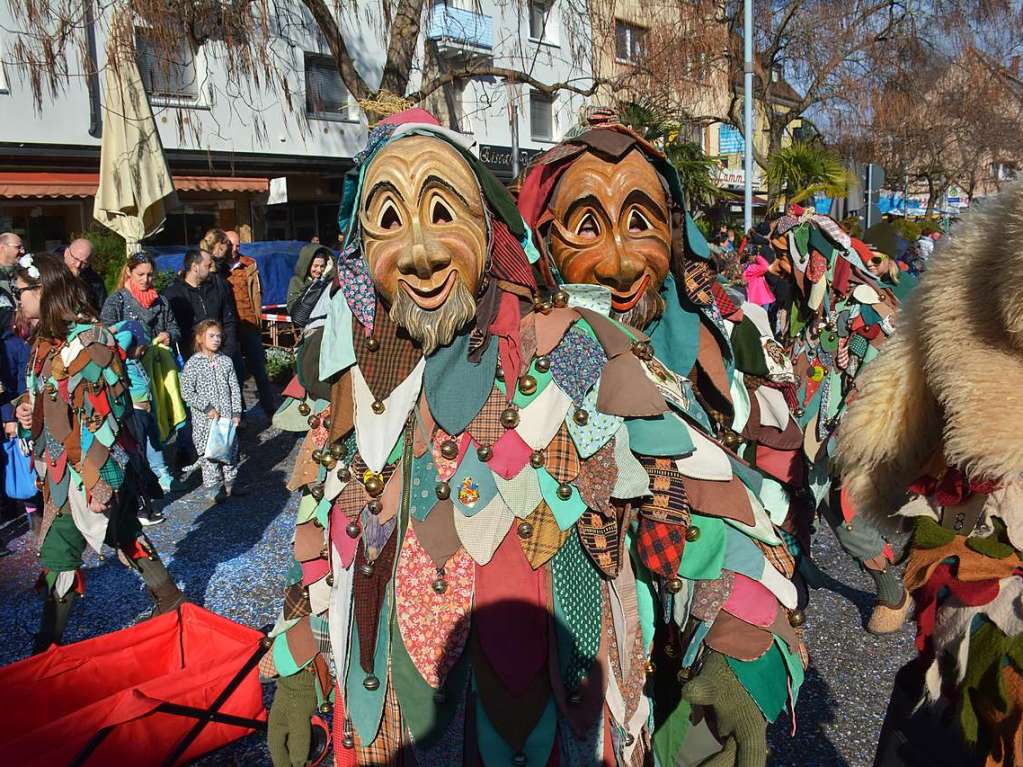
(14, 354)
(212, 300)
(158, 318)
(301, 284)
(94, 287)
(757, 291)
(243, 277)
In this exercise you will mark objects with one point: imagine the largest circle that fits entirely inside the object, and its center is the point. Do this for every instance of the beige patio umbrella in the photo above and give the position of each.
(135, 186)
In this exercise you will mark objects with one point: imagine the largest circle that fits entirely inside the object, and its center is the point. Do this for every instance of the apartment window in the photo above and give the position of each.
(1003, 171)
(538, 15)
(326, 97)
(541, 116)
(166, 75)
(629, 40)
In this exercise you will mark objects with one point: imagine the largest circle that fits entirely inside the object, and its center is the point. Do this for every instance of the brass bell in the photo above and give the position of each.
(799, 412)
(327, 422)
(440, 585)
(316, 491)
(443, 490)
(372, 344)
(520, 760)
(545, 307)
(581, 417)
(692, 533)
(629, 739)
(348, 742)
(674, 585)
(449, 449)
(796, 618)
(377, 406)
(316, 455)
(731, 439)
(525, 529)
(374, 507)
(329, 462)
(329, 579)
(536, 459)
(509, 418)
(326, 708)
(527, 385)
(371, 682)
(561, 299)
(313, 421)
(352, 528)
(337, 450)
(484, 452)
(304, 409)
(650, 666)
(499, 373)
(543, 364)
(374, 485)
(366, 569)
(564, 491)
(344, 474)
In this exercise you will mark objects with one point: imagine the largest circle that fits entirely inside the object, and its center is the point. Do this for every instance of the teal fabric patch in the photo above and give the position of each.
(704, 557)
(283, 661)
(472, 486)
(765, 680)
(742, 555)
(662, 435)
(675, 335)
(566, 512)
(575, 584)
(455, 387)
(598, 429)
(423, 491)
(495, 750)
(702, 628)
(366, 707)
(337, 352)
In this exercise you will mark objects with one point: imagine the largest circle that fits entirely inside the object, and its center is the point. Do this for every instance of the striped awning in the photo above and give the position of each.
(21, 185)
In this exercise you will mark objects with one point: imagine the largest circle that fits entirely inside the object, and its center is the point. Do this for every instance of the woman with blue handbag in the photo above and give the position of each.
(16, 469)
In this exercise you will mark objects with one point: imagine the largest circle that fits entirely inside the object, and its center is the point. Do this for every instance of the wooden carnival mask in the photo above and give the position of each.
(612, 227)
(425, 236)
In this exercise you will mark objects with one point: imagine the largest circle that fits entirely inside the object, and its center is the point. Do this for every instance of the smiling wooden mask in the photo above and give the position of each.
(424, 235)
(611, 227)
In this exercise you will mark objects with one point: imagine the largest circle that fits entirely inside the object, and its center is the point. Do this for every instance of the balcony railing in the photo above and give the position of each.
(455, 29)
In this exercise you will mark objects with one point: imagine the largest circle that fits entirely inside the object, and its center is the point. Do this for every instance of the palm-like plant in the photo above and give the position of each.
(695, 168)
(803, 169)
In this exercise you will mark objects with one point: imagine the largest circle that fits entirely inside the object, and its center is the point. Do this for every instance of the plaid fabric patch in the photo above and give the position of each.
(351, 500)
(486, 427)
(507, 257)
(785, 223)
(561, 457)
(669, 502)
(296, 602)
(368, 596)
(111, 473)
(723, 300)
(601, 541)
(545, 537)
(598, 475)
(699, 277)
(660, 546)
(833, 231)
(779, 557)
(387, 747)
(393, 360)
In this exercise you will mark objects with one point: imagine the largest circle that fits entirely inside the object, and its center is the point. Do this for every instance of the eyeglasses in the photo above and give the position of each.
(18, 291)
(20, 247)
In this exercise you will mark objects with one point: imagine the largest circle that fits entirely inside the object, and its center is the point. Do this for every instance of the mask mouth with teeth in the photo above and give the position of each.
(425, 235)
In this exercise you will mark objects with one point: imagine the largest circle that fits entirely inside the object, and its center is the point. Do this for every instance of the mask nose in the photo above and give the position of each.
(620, 269)
(425, 257)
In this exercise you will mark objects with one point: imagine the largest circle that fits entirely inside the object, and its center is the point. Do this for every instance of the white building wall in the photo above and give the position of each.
(238, 117)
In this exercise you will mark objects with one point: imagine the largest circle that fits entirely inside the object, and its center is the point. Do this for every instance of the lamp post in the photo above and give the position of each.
(747, 108)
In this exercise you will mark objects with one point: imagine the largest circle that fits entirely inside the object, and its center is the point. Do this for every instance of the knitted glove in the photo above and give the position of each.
(739, 722)
(289, 733)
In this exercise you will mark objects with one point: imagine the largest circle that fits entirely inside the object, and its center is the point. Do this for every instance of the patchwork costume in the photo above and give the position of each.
(81, 402)
(608, 211)
(938, 415)
(840, 316)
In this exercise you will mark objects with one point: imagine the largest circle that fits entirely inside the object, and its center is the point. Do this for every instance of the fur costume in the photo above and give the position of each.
(939, 414)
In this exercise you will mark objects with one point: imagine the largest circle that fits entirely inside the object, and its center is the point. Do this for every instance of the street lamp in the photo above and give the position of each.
(747, 108)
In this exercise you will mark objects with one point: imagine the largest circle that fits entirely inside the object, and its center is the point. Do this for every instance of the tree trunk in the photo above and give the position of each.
(405, 27)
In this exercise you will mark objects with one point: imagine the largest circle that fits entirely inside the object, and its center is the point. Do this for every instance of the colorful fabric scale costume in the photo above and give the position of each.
(611, 221)
(841, 315)
(84, 452)
(939, 416)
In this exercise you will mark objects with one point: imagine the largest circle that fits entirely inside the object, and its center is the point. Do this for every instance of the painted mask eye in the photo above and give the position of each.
(638, 222)
(588, 227)
(441, 214)
(389, 218)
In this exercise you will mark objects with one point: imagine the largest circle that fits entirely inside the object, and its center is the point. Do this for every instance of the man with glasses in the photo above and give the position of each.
(77, 256)
(11, 249)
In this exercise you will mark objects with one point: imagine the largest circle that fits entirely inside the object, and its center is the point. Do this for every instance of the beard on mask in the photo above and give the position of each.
(436, 327)
(646, 310)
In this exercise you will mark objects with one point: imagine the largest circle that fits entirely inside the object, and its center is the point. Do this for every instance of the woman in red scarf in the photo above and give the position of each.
(138, 300)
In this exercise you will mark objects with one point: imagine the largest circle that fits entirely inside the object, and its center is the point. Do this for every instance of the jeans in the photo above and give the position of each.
(150, 436)
(251, 358)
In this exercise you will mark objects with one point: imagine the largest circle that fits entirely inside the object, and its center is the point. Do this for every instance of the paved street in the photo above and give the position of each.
(231, 558)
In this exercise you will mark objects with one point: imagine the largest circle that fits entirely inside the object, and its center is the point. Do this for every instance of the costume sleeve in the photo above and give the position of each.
(236, 389)
(197, 401)
(112, 310)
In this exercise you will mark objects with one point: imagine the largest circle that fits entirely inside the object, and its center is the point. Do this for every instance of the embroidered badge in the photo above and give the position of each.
(469, 492)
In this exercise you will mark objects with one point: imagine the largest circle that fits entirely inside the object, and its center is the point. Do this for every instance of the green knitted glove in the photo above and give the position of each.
(739, 721)
(289, 733)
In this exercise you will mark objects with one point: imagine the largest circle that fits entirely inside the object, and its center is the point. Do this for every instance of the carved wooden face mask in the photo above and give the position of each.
(611, 227)
(424, 234)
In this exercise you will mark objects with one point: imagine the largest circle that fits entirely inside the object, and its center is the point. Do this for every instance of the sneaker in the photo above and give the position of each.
(237, 491)
(218, 494)
(166, 482)
(155, 518)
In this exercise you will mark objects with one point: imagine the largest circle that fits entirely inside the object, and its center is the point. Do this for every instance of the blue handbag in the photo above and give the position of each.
(19, 473)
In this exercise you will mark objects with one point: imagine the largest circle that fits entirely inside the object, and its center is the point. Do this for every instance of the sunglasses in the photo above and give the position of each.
(18, 291)
(877, 260)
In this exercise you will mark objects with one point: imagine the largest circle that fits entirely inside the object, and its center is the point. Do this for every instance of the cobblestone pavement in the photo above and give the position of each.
(231, 558)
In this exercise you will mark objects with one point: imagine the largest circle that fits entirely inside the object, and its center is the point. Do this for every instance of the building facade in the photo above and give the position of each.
(226, 138)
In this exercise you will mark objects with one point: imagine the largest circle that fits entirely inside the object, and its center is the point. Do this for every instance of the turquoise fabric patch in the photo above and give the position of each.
(337, 352)
(495, 750)
(742, 555)
(366, 707)
(566, 512)
(662, 435)
(472, 486)
(675, 335)
(598, 429)
(456, 388)
(704, 557)
(765, 680)
(422, 495)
